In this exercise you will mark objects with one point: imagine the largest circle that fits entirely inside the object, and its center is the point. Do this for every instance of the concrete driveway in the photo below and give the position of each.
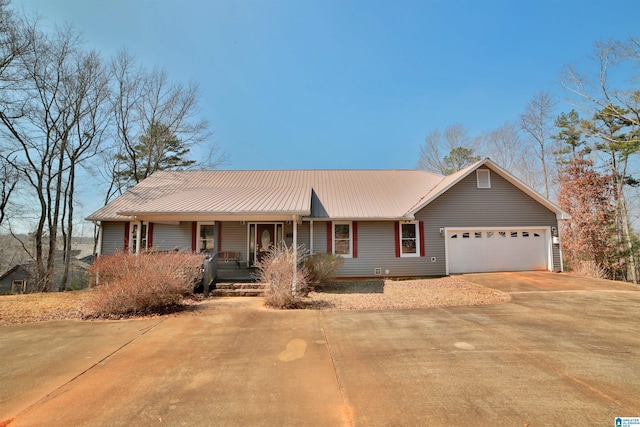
(562, 352)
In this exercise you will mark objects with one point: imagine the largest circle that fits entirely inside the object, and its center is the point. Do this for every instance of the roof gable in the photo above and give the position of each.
(453, 179)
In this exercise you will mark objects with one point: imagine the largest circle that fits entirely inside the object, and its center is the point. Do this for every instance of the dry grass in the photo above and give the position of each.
(43, 306)
(347, 295)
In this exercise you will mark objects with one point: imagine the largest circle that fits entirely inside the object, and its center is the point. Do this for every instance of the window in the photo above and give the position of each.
(483, 178)
(409, 241)
(206, 238)
(134, 237)
(342, 239)
(18, 286)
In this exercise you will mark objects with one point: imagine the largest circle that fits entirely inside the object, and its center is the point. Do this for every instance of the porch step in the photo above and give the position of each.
(239, 290)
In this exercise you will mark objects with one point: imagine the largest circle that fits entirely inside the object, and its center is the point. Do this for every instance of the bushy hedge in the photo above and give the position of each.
(148, 283)
(323, 268)
(276, 269)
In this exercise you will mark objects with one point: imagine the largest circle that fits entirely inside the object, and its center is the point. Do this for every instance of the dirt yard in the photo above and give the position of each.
(347, 295)
(383, 294)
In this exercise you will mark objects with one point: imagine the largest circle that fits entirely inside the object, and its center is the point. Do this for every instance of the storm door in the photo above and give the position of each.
(262, 238)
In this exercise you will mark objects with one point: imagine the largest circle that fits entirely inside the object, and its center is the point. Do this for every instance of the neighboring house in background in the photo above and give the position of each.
(398, 223)
(19, 278)
(16, 280)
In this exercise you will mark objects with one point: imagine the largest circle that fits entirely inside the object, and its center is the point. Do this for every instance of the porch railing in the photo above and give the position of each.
(210, 272)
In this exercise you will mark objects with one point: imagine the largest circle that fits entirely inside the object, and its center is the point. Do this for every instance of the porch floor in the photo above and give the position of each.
(242, 274)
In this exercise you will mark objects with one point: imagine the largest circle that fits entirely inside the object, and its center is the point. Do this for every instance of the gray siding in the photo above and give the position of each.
(465, 205)
(303, 234)
(234, 238)
(167, 237)
(376, 249)
(112, 237)
(319, 237)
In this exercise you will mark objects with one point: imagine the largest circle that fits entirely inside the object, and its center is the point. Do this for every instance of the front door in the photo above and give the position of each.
(265, 239)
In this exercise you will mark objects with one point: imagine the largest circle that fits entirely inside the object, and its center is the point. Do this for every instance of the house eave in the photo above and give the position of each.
(372, 219)
(212, 216)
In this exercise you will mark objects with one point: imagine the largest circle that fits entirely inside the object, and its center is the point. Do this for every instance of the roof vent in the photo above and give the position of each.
(483, 178)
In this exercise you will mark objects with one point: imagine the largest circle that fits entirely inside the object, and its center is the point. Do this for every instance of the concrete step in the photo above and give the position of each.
(239, 290)
(241, 286)
(237, 293)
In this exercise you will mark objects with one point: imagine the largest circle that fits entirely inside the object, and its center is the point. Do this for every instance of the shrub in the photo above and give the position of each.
(323, 268)
(148, 283)
(276, 269)
(588, 268)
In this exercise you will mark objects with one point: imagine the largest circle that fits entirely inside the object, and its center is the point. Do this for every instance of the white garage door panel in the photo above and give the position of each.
(471, 251)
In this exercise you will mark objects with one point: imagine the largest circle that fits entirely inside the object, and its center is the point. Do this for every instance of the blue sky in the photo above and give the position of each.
(335, 84)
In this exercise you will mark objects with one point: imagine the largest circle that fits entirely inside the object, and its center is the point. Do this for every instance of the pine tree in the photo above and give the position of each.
(158, 149)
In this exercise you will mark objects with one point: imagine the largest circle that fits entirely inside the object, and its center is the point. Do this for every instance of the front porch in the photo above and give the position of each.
(236, 275)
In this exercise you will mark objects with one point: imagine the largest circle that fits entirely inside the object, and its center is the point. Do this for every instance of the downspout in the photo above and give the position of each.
(295, 254)
(99, 245)
(98, 249)
(560, 248)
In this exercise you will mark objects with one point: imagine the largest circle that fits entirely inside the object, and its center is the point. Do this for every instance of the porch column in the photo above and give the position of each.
(311, 237)
(138, 237)
(295, 254)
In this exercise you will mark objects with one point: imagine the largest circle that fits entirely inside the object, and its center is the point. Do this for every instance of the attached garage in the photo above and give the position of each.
(497, 249)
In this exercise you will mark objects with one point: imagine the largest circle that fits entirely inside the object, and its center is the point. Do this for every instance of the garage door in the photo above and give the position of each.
(518, 249)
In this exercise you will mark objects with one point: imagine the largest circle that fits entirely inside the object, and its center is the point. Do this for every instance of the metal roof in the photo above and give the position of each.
(336, 194)
(308, 194)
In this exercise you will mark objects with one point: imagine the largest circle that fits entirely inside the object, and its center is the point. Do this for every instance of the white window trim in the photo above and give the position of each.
(138, 237)
(480, 182)
(198, 239)
(417, 225)
(350, 224)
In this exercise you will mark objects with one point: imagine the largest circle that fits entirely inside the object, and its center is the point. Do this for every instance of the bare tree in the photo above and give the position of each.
(537, 122)
(9, 179)
(505, 146)
(53, 128)
(157, 125)
(448, 153)
(614, 106)
(15, 40)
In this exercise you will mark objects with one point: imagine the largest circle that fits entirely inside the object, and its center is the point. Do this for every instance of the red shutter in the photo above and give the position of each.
(421, 228)
(354, 229)
(194, 236)
(397, 235)
(126, 237)
(329, 237)
(219, 236)
(150, 235)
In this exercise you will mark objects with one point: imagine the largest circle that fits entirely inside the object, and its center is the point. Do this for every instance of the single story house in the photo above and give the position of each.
(397, 223)
(20, 278)
(16, 280)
